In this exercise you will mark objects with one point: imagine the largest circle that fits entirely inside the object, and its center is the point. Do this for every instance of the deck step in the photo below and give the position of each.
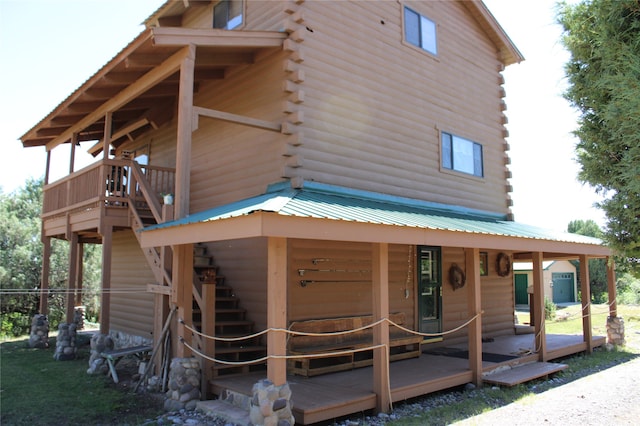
(515, 375)
(226, 411)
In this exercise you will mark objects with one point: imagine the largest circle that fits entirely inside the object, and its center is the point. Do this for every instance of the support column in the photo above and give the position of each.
(184, 132)
(538, 297)
(611, 288)
(474, 305)
(73, 277)
(380, 308)
(105, 299)
(44, 283)
(106, 142)
(47, 168)
(182, 291)
(161, 301)
(585, 299)
(72, 160)
(277, 309)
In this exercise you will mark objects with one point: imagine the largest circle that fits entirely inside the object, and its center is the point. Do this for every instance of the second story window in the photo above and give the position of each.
(227, 14)
(462, 155)
(420, 31)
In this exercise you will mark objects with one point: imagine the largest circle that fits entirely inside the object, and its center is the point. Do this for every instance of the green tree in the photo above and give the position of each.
(603, 38)
(21, 263)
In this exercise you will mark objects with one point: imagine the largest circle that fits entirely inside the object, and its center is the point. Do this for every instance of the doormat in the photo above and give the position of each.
(458, 353)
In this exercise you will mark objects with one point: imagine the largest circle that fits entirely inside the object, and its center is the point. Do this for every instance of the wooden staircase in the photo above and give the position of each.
(230, 320)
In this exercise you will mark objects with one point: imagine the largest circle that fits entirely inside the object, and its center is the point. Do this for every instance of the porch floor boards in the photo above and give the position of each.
(343, 393)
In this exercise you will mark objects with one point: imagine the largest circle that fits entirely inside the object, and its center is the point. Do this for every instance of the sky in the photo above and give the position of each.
(48, 48)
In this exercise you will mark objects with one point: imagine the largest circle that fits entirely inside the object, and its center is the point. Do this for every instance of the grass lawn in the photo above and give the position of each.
(35, 389)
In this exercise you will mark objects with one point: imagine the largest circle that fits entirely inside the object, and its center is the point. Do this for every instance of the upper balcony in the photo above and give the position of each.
(101, 194)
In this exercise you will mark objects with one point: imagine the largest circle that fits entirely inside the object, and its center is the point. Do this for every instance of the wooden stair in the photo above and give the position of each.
(230, 320)
(515, 375)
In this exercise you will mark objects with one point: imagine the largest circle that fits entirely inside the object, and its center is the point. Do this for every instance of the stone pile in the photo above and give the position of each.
(184, 384)
(39, 336)
(78, 317)
(99, 343)
(66, 342)
(271, 404)
(615, 331)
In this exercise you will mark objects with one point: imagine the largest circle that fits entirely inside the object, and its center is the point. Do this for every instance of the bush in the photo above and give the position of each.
(549, 309)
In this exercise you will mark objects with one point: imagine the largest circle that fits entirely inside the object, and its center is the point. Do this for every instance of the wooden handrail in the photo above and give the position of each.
(146, 190)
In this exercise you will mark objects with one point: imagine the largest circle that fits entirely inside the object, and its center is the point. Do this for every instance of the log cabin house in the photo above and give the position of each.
(334, 165)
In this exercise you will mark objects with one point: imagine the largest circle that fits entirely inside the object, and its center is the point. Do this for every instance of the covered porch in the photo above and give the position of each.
(334, 395)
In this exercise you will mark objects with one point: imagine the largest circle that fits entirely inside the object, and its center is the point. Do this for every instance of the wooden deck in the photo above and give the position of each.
(339, 394)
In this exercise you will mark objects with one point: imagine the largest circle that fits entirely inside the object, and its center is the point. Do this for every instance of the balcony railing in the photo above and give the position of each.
(105, 183)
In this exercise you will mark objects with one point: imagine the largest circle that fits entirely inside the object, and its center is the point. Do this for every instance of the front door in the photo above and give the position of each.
(429, 290)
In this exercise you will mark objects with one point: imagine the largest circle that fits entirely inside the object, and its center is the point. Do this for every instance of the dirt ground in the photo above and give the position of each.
(610, 397)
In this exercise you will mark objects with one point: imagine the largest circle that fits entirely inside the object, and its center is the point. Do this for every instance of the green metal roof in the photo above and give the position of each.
(330, 202)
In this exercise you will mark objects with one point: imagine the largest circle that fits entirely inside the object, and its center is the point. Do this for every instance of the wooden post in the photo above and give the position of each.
(80, 274)
(72, 160)
(183, 286)
(611, 287)
(47, 168)
(277, 309)
(208, 329)
(46, 266)
(106, 143)
(105, 300)
(73, 277)
(585, 299)
(161, 301)
(540, 340)
(380, 309)
(474, 306)
(184, 131)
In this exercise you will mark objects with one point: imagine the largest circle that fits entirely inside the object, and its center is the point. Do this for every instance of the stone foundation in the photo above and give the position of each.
(78, 317)
(99, 343)
(66, 342)
(184, 384)
(615, 331)
(39, 336)
(271, 405)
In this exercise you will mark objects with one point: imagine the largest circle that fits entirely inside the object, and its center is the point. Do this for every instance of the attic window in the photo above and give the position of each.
(227, 14)
(420, 31)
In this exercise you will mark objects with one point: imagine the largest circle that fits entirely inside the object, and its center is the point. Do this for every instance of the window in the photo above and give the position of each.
(461, 155)
(227, 14)
(420, 31)
(429, 289)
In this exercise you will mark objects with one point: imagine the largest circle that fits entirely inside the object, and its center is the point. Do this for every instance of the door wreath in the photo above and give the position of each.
(457, 277)
(503, 264)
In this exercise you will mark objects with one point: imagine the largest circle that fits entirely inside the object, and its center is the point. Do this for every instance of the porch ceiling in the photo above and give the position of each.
(136, 112)
(327, 212)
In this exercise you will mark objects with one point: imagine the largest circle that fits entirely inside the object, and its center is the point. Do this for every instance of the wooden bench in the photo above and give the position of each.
(403, 345)
(115, 355)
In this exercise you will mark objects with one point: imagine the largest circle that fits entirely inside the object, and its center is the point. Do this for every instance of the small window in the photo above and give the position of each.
(420, 31)
(227, 14)
(462, 155)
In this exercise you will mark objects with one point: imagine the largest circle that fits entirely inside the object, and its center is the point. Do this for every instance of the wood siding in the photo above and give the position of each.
(132, 307)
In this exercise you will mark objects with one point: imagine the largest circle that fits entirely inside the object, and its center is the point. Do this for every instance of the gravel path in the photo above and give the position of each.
(610, 397)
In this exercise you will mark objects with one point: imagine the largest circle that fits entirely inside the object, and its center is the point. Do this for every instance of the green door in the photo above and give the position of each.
(429, 290)
(562, 284)
(522, 282)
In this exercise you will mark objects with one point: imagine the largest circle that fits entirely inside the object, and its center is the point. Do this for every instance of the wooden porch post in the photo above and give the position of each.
(72, 160)
(161, 301)
(80, 274)
(611, 288)
(46, 266)
(73, 276)
(183, 289)
(47, 168)
(277, 309)
(380, 308)
(105, 299)
(108, 123)
(184, 131)
(585, 299)
(540, 340)
(474, 304)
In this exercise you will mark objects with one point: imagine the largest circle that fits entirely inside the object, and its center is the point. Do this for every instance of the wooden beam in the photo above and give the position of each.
(611, 287)
(73, 277)
(585, 299)
(184, 133)
(47, 168)
(108, 128)
(380, 309)
(538, 297)
(235, 118)
(474, 306)
(166, 36)
(277, 309)
(182, 292)
(153, 77)
(46, 267)
(72, 160)
(105, 300)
